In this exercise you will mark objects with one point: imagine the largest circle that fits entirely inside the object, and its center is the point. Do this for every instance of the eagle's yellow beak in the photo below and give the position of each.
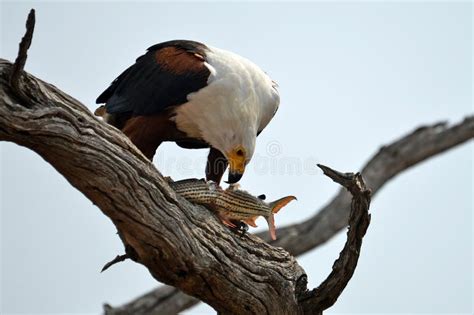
(237, 159)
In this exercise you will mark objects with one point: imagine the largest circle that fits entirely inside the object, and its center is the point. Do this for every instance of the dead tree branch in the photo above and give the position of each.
(162, 300)
(19, 65)
(181, 244)
(165, 300)
(391, 160)
(327, 293)
(117, 259)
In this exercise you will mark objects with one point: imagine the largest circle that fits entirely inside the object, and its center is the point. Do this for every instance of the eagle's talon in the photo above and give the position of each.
(240, 228)
(214, 186)
(233, 187)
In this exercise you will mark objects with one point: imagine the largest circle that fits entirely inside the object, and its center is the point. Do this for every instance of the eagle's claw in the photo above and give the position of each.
(240, 228)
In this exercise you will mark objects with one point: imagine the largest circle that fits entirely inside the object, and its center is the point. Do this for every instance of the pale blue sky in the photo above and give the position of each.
(383, 67)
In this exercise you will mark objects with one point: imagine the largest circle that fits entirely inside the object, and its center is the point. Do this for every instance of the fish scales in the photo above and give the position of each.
(230, 204)
(197, 191)
(242, 203)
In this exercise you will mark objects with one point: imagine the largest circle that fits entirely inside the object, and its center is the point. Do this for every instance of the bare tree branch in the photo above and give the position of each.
(327, 293)
(17, 68)
(165, 300)
(117, 259)
(391, 160)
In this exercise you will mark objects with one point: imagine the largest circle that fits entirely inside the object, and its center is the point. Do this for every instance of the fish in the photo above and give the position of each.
(231, 204)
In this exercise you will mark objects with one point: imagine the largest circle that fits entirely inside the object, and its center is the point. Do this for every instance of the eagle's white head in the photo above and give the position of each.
(236, 141)
(238, 102)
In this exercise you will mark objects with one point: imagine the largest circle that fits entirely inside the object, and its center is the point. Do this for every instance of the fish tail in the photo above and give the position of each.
(280, 203)
(251, 221)
(271, 226)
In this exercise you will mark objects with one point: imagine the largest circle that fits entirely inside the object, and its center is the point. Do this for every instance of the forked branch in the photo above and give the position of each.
(19, 65)
(327, 293)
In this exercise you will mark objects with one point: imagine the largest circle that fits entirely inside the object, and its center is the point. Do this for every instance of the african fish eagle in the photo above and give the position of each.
(197, 96)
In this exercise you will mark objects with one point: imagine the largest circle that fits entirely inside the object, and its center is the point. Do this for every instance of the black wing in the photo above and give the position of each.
(161, 78)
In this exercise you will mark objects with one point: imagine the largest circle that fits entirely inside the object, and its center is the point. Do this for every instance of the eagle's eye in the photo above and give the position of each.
(240, 152)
